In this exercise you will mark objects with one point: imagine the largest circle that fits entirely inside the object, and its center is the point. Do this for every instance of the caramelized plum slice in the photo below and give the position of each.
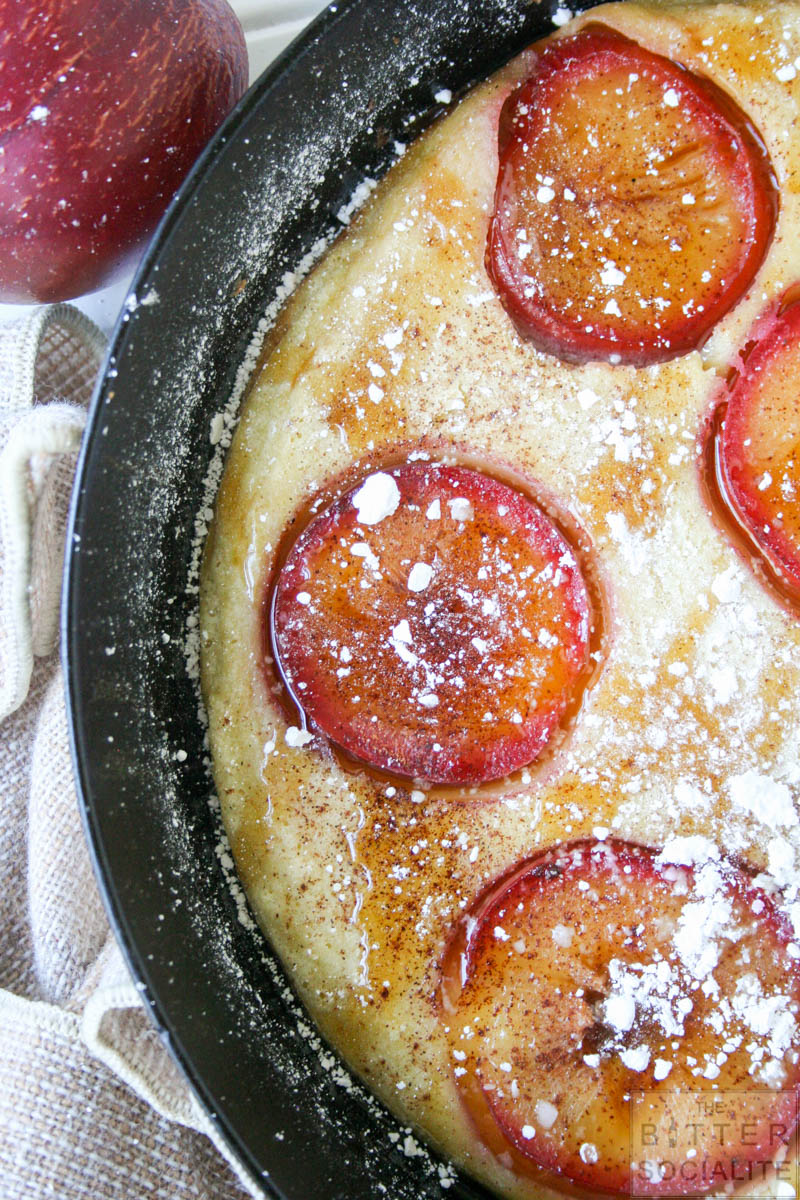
(758, 449)
(600, 970)
(634, 203)
(433, 622)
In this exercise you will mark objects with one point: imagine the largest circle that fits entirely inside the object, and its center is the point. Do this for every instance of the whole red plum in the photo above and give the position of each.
(104, 106)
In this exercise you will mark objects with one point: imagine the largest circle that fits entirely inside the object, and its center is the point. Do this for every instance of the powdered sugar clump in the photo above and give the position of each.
(298, 737)
(764, 798)
(419, 577)
(377, 498)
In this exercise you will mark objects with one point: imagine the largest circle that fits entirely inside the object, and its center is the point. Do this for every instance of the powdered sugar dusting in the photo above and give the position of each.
(696, 756)
(377, 498)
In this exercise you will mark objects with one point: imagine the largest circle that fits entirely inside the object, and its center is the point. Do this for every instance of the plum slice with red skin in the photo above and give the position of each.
(601, 969)
(758, 447)
(634, 203)
(433, 622)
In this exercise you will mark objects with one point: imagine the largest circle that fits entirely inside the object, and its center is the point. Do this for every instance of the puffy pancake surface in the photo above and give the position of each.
(397, 343)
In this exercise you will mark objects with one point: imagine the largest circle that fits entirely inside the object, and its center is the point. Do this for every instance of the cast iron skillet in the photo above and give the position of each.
(324, 116)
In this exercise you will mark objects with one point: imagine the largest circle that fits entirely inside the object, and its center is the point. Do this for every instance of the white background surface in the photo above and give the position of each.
(269, 26)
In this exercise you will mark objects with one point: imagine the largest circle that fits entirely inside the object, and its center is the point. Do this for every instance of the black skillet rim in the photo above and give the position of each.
(123, 757)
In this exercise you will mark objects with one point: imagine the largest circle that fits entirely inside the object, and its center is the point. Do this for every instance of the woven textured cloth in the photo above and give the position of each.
(91, 1104)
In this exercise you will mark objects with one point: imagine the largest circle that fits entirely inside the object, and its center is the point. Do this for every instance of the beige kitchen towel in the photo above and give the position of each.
(92, 1105)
